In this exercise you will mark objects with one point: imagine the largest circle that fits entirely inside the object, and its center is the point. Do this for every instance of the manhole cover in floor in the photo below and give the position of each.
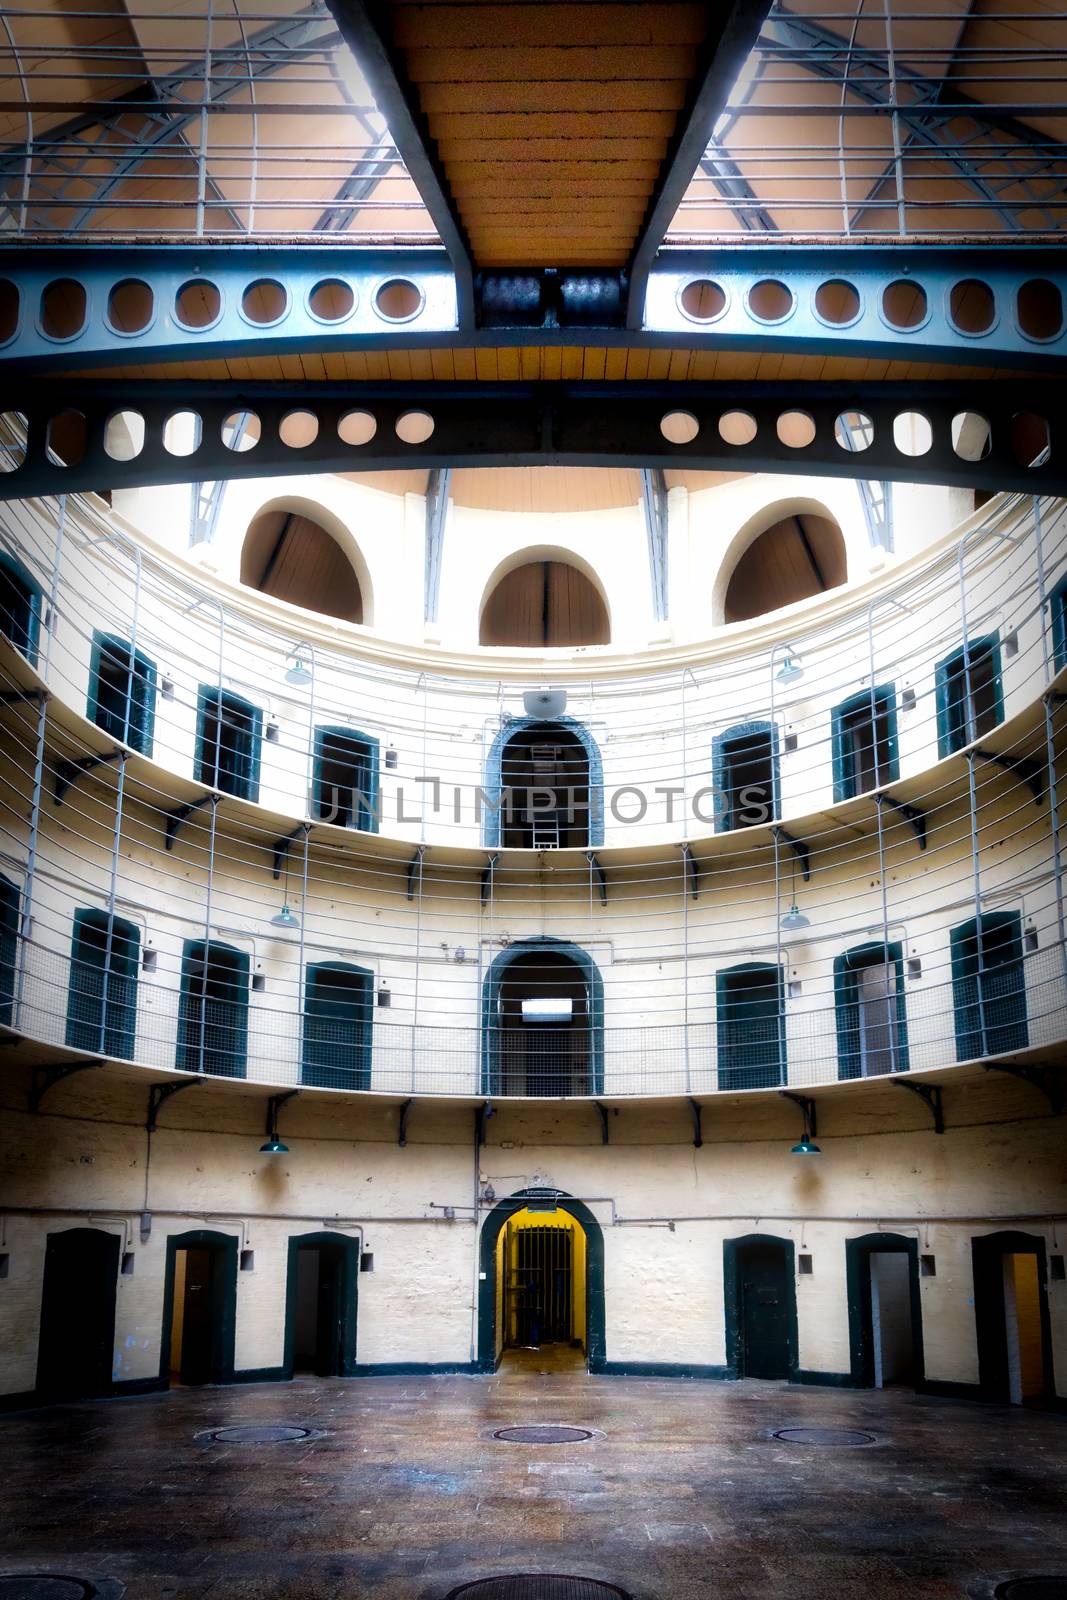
(537, 1586)
(1052, 1587)
(44, 1586)
(258, 1433)
(824, 1436)
(543, 1433)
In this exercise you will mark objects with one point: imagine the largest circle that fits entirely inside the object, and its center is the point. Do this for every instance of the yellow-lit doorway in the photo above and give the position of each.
(541, 1284)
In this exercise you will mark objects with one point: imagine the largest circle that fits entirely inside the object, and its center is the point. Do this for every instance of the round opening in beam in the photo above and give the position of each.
(299, 429)
(182, 433)
(679, 427)
(1039, 307)
(703, 300)
(904, 305)
(332, 300)
(737, 427)
(1029, 439)
(398, 300)
(837, 302)
(264, 302)
(197, 305)
(796, 429)
(414, 427)
(912, 433)
(971, 436)
(63, 307)
(130, 306)
(972, 306)
(9, 310)
(357, 428)
(65, 438)
(770, 300)
(13, 427)
(124, 435)
(241, 431)
(854, 431)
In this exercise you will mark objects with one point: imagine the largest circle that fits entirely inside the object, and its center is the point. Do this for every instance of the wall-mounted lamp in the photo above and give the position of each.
(794, 919)
(298, 666)
(807, 1145)
(285, 918)
(545, 703)
(273, 1145)
(791, 670)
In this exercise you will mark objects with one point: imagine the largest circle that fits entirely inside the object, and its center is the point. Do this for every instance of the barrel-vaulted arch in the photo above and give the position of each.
(516, 728)
(575, 1064)
(790, 549)
(544, 595)
(298, 550)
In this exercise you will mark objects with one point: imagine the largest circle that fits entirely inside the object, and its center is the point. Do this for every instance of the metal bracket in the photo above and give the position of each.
(174, 819)
(800, 850)
(68, 772)
(1047, 1079)
(1030, 772)
(914, 815)
(807, 1110)
(602, 1112)
(481, 1117)
(11, 697)
(691, 869)
(930, 1094)
(488, 877)
(599, 874)
(280, 848)
(160, 1093)
(405, 1112)
(45, 1078)
(415, 867)
(696, 1111)
(274, 1105)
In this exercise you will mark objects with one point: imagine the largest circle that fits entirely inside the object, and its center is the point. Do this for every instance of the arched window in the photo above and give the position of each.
(213, 1011)
(122, 692)
(102, 998)
(542, 1021)
(545, 602)
(228, 738)
(989, 985)
(345, 780)
(744, 766)
(290, 556)
(872, 1029)
(799, 555)
(864, 742)
(20, 608)
(750, 1026)
(969, 694)
(338, 1010)
(544, 787)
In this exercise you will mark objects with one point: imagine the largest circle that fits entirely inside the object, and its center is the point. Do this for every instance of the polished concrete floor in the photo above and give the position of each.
(405, 1493)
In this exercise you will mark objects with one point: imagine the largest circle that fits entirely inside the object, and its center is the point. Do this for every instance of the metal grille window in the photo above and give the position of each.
(969, 698)
(20, 608)
(750, 1027)
(872, 1035)
(102, 997)
(228, 743)
(989, 986)
(213, 1010)
(338, 1008)
(745, 770)
(345, 783)
(1058, 603)
(864, 743)
(545, 774)
(9, 930)
(122, 688)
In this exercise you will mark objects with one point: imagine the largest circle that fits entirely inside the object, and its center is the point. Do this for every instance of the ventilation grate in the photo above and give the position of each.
(1052, 1586)
(824, 1436)
(537, 1586)
(543, 1433)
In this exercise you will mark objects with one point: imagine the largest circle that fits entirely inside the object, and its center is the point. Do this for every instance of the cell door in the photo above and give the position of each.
(767, 1311)
(199, 1314)
(77, 1341)
(542, 1286)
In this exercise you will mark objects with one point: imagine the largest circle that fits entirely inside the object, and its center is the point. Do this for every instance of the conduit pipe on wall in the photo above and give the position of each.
(237, 1217)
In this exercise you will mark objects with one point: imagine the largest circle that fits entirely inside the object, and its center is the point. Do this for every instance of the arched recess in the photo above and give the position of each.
(544, 598)
(760, 1305)
(75, 1351)
(297, 551)
(199, 1307)
(584, 827)
(487, 1275)
(1012, 1318)
(868, 1324)
(790, 550)
(542, 1058)
(321, 1305)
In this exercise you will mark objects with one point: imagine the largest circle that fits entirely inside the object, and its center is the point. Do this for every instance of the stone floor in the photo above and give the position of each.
(405, 1494)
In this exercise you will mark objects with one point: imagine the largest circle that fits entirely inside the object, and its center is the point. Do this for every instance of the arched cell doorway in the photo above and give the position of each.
(1011, 1314)
(75, 1351)
(199, 1308)
(544, 602)
(528, 1285)
(320, 1305)
(885, 1328)
(543, 1021)
(288, 554)
(797, 555)
(544, 787)
(761, 1306)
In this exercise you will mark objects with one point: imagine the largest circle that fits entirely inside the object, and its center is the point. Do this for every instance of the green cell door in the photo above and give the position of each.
(76, 1346)
(767, 1307)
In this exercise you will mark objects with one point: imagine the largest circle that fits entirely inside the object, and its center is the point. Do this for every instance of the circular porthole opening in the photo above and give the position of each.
(63, 307)
(770, 300)
(197, 304)
(398, 300)
(737, 427)
(9, 310)
(357, 427)
(854, 431)
(264, 302)
(124, 435)
(66, 435)
(703, 300)
(241, 431)
(971, 436)
(904, 304)
(1029, 439)
(414, 427)
(182, 432)
(971, 306)
(796, 429)
(331, 300)
(837, 302)
(13, 427)
(1039, 305)
(298, 429)
(912, 433)
(679, 427)
(130, 305)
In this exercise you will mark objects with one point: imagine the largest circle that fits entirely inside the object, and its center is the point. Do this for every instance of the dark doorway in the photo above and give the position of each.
(884, 1310)
(338, 1012)
(744, 763)
(75, 1353)
(989, 985)
(538, 1285)
(213, 1010)
(102, 995)
(199, 1308)
(543, 1012)
(1012, 1318)
(761, 1309)
(544, 773)
(750, 1026)
(320, 1309)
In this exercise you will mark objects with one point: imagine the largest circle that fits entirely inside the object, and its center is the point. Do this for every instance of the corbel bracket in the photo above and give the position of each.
(807, 1110)
(45, 1078)
(696, 1111)
(930, 1094)
(405, 1112)
(160, 1093)
(68, 772)
(799, 849)
(1039, 1076)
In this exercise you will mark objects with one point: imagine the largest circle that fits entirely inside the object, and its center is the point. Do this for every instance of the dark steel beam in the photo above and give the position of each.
(733, 29)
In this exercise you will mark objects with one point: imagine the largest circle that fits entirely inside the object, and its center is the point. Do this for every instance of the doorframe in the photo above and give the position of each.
(349, 1290)
(858, 1253)
(987, 1256)
(115, 1252)
(594, 1274)
(224, 1282)
(732, 1250)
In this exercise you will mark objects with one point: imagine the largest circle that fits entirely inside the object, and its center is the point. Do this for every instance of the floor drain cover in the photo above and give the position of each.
(824, 1436)
(537, 1586)
(1053, 1587)
(544, 1433)
(257, 1433)
(45, 1586)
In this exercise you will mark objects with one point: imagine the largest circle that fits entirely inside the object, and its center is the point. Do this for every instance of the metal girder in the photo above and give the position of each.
(68, 772)
(436, 516)
(733, 28)
(491, 425)
(691, 869)
(654, 503)
(800, 849)
(914, 816)
(365, 26)
(930, 1095)
(227, 272)
(1025, 768)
